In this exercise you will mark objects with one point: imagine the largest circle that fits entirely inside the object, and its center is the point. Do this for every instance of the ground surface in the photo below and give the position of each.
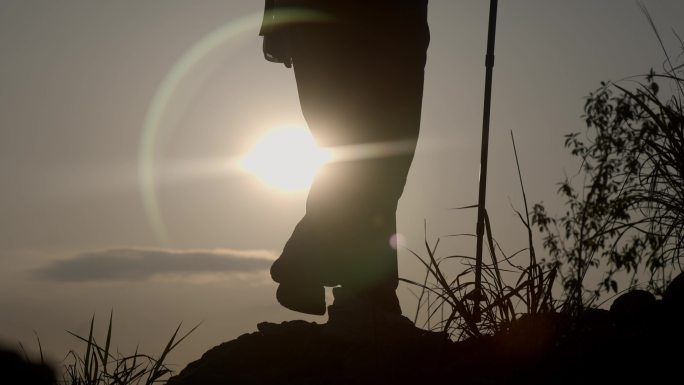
(639, 341)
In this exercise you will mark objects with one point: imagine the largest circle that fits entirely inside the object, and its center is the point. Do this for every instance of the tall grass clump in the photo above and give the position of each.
(511, 285)
(100, 365)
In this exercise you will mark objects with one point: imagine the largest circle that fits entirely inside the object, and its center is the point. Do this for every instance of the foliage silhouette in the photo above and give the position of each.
(626, 219)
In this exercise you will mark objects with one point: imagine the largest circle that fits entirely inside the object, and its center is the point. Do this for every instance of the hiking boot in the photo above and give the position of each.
(363, 319)
(303, 298)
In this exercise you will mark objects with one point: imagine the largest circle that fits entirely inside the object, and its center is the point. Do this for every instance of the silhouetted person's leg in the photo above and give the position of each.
(360, 84)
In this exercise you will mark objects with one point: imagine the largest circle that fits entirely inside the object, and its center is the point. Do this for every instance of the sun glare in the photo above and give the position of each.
(286, 158)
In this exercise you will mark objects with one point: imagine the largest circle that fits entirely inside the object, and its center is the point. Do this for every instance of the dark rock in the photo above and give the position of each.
(15, 370)
(673, 298)
(636, 306)
(300, 352)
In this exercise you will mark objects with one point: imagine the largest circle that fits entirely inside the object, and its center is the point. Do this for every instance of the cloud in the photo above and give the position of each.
(139, 264)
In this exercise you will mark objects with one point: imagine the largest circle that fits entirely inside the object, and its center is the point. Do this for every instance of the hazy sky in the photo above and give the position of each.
(84, 85)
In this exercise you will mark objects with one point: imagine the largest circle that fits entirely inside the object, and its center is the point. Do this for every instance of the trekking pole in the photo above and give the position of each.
(481, 212)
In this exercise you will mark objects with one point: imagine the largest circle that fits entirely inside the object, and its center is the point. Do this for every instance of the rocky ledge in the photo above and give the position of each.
(639, 341)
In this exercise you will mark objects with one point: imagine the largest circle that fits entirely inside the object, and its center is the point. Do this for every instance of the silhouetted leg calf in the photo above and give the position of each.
(360, 84)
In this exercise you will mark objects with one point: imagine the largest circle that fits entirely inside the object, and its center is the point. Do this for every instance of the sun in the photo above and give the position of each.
(285, 158)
